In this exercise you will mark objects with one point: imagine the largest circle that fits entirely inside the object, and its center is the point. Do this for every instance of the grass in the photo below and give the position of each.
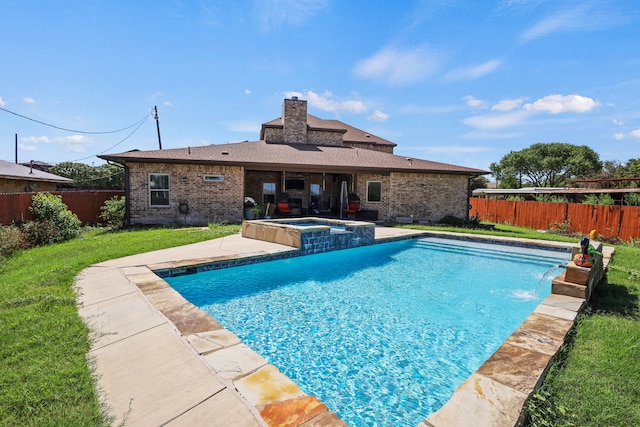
(46, 379)
(596, 379)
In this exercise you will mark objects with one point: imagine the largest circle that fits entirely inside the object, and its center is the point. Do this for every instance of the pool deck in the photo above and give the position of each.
(159, 360)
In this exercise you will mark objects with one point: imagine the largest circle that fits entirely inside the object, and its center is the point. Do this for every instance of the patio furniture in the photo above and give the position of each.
(283, 209)
(352, 208)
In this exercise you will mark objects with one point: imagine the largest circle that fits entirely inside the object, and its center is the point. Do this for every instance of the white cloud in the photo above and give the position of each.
(74, 139)
(555, 104)
(35, 139)
(635, 133)
(617, 122)
(167, 104)
(496, 121)
(274, 13)
(563, 21)
(585, 16)
(618, 136)
(156, 95)
(474, 102)
(247, 92)
(2, 103)
(475, 71)
(398, 67)
(507, 105)
(29, 100)
(23, 147)
(379, 116)
(327, 102)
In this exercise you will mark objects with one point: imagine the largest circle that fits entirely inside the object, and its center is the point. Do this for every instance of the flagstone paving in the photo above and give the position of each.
(159, 360)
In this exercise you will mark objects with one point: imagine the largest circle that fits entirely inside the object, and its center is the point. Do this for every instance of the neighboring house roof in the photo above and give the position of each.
(260, 155)
(37, 164)
(351, 134)
(19, 172)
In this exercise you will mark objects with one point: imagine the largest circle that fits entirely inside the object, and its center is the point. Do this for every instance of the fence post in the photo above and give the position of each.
(620, 220)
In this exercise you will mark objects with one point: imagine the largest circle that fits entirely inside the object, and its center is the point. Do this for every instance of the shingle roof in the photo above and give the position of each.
(260, 155)
(15, 171)
(351, 134)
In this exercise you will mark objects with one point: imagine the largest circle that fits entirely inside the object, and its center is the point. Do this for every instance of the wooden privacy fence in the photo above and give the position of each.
(620, 221)
(14, 207)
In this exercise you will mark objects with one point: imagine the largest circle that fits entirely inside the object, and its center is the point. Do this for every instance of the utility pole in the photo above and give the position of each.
(16, 148)
(155, 116)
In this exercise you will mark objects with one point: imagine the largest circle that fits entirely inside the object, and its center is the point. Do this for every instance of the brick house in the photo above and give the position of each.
(301, 159)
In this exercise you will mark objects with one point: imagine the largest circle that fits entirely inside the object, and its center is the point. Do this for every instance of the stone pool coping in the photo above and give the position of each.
(159, 360)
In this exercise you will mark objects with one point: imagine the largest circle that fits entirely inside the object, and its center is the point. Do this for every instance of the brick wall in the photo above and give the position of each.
(208, 202)
(361, 190)
(428, 196)
(273, 135)
(19, 185)
(294, 114)
(326, 137)
(382, 148)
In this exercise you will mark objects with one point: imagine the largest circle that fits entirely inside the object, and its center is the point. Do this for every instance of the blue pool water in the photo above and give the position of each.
(382, 334)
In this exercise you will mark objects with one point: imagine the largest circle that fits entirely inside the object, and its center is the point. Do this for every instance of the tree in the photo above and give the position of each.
(478, 182)
(107, 176)
(545, 165)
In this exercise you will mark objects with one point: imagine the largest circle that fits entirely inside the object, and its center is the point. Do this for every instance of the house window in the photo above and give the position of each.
(158, 189)
(374, 191)
(315, 190)
(268, 193)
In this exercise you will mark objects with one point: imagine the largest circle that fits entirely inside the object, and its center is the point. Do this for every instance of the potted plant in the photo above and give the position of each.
(249, 205)
(256, 211)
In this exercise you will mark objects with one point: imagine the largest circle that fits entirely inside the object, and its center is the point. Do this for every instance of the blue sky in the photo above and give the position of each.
(452, 81)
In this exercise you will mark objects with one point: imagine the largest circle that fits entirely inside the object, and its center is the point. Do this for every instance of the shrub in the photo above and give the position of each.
(54, 222)
(599, 199)
(550, 198)
(11, 240)
(454, 221)
(114, 212)
(632, 199)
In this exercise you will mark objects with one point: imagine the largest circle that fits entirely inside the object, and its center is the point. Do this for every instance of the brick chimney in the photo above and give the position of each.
(294, 121)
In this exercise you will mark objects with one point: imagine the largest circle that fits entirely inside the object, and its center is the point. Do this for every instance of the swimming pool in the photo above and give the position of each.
(381, 334)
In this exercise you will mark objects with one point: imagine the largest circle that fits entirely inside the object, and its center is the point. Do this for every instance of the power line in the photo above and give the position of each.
(72, 130)
(121, 141)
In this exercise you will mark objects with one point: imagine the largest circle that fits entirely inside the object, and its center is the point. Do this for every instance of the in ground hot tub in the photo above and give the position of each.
(310, 234)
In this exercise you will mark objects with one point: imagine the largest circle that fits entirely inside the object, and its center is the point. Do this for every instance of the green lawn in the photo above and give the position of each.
(45, 378)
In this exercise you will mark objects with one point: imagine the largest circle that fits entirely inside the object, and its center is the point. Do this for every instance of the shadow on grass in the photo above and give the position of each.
(614, 299)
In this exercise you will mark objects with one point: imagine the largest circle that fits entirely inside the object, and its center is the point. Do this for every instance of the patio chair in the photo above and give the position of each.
(352, 208)
(283, 209)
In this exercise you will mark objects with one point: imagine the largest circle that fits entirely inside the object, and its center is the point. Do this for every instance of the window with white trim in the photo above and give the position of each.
(158, 189)
(374, 191)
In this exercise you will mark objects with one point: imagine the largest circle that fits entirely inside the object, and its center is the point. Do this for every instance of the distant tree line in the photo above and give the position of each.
(557, 164)
(104, 177)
